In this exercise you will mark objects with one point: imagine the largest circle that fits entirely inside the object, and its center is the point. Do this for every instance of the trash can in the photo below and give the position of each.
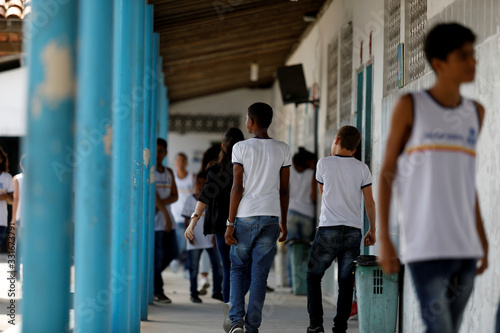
(299, 257)
(377, 297)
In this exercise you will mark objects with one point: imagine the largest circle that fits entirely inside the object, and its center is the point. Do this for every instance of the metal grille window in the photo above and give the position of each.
(392, 37)
(331, 117)
(378, 282)
(202, 123)
(346, 72)
(416, 18)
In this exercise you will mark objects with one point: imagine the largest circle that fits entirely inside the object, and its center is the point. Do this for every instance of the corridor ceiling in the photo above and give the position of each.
(208, 46)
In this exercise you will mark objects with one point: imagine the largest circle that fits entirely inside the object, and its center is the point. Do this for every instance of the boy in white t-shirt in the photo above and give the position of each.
(259, 197)
(199, 242)
(6, 193)
(343, 180)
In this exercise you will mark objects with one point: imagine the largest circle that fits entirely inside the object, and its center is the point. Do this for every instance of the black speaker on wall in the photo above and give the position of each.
(293, 84)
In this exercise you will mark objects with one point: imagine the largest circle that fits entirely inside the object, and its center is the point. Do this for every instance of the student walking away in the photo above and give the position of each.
(166, 248)
(16, 215)
(197, 243)
(6, 193)
(300, 222)
(431, 156)
(184, 180)
(343, 181)
(259, 197)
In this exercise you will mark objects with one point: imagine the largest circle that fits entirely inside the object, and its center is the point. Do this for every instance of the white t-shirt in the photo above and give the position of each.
(300, 192)
(6, 186)
(19, 178)
(164, 189)
(200, 241)
(184, 189)
(343, 179)
(262, 160)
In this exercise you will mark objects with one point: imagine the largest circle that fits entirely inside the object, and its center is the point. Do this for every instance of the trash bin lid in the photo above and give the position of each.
(366, 260)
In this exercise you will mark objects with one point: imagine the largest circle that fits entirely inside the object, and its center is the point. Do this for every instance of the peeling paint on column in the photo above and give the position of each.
(108, 140)
(146, 156)
(59, 83)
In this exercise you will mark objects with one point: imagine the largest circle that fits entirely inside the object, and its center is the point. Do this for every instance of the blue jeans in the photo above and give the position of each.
(443, 288)
(166, 250)
(181, 241)
(343, 243)
(194, 262)
(256, 237)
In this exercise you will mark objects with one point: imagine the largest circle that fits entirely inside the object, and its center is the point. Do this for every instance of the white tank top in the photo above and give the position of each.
(19, 178)
(300, 191)
(185, 188)
(436, 182)
(164, 189)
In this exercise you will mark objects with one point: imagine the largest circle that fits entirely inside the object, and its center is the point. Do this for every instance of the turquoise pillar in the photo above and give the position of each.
(138, 138)
(154, 111)
(121, 217)
(147, 217)
(48, 187)
(93, 172)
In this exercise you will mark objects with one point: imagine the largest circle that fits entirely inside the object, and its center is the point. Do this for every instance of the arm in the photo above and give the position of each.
(161, 207)
(313, 189)
(186, 224)
(9, 197)
(15, 203)
(399, 133)
(189, 234)
(236, 194)
(320, 188)
(370, 237)
(173, 192)
(483, 262)
(284, 200)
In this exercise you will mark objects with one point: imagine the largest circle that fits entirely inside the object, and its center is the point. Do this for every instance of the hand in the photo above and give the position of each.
(230, 240)
(387, 257)
(483, 264)
(168, 221)
(189, 234)
(283, 232)
(370, 238)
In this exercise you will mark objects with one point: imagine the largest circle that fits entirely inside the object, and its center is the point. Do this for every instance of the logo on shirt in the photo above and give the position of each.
(471, 139)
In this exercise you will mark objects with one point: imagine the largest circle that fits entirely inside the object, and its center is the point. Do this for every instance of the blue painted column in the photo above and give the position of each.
(135, 291)
(48, 187)
(154, 112)
(123, 84)
(93, 172)
(147, 217)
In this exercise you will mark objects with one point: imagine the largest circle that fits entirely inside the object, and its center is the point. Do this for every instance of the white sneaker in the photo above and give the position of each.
(227, 322)
(174, 265)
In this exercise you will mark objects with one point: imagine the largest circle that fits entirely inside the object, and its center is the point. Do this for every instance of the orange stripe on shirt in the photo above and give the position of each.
(458, 149)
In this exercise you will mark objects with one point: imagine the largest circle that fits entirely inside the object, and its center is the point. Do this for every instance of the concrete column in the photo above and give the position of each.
(148, 217)
(152, 195)
(135, 291)
(93, 172)
(51, 157)
(123, 84)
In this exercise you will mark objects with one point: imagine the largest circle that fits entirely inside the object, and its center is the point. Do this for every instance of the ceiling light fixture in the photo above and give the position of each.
(254, 71)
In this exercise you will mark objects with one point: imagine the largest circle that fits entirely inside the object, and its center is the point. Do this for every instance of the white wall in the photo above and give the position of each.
(13, 89)
(235, 102)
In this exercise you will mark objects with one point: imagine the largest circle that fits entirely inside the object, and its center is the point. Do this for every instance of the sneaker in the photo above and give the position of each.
(317, 329)
(269, 289)
(161, 298)
(236, 328)
(227, 322)
(203, 290)
(218, 297)
(196, 299)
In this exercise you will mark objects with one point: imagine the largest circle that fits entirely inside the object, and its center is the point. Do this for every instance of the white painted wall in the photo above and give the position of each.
(13, 90)
(484, 18)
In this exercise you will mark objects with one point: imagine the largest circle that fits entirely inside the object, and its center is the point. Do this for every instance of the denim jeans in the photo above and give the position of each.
(194, 262)
(343, 243)
(256, 237)
(181, 241)
(443, 288)
(166, 250)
